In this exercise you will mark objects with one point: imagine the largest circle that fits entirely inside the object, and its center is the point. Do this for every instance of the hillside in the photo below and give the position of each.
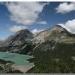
(24, 41)
(20, 42)
(55, 53)
(53, 49)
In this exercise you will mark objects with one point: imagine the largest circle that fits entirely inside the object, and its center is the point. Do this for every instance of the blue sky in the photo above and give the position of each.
(35, 16)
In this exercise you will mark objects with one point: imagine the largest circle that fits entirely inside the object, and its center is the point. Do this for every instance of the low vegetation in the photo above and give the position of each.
(6, 67)
(57, 60)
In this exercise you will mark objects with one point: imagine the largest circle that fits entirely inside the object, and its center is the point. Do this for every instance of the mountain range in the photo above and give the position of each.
(25, 42)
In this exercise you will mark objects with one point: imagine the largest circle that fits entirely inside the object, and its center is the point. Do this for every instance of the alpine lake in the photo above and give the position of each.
(18, 59)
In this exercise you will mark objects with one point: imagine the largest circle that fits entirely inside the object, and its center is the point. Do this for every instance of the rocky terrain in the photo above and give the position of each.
(54, 52)
(7, 67)
(56, 39)
(17, 42)
(24, 41)
(53, 49)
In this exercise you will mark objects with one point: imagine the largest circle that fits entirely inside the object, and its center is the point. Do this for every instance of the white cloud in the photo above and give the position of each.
(42, 22)
(2, 38)
(69, 25)
(25, 13)
(16, 28)
(34, 31)
(65, 7)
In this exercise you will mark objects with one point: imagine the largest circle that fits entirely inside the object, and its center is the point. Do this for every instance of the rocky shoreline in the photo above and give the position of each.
(22, 68)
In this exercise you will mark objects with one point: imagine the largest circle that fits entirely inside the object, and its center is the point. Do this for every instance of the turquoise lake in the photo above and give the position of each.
(18, 59)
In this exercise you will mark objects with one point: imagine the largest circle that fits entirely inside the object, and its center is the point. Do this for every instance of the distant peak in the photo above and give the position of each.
(67, 29)
(24, 31)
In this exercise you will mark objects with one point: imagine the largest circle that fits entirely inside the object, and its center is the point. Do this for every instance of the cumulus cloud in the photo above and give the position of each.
(16, 28)
(65, 7)
(69, 25)
(25, 13)
(42, 22)
(34, 31)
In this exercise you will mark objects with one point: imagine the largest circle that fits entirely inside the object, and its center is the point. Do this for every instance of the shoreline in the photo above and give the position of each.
(22, 68)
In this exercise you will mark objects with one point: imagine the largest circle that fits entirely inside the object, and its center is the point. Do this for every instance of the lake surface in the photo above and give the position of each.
(18, 59)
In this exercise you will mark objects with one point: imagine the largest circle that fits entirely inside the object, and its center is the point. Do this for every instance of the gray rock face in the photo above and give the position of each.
(48, 39)
(49, 34)
(18, 41)
(24, 40)
(20, 37)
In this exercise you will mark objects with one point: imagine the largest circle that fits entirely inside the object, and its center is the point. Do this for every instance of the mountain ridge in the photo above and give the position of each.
(24, 40)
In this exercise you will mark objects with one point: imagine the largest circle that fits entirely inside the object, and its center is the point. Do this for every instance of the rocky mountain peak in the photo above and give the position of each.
(18, 38)
(53, 33)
